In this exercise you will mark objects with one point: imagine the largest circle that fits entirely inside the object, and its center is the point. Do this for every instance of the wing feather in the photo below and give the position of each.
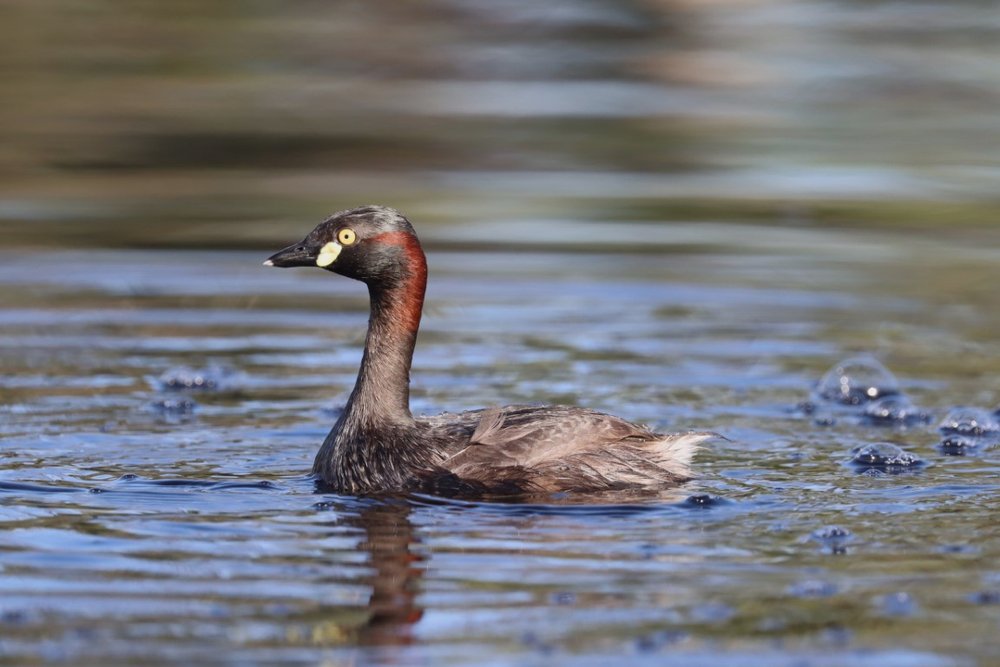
(563, 448)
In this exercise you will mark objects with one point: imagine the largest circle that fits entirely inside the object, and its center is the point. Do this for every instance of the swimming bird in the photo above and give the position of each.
(377, 445)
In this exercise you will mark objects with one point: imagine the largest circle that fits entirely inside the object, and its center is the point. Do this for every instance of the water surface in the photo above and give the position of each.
(142, 523)
(681, 212)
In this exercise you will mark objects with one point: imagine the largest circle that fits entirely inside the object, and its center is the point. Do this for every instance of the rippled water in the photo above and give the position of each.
(145, 524)
(682, 212)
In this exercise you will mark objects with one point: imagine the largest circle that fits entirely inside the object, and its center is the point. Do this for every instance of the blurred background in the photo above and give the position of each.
(240, 124)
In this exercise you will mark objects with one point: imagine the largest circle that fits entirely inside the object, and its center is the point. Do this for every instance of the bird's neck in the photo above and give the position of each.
(382, 391)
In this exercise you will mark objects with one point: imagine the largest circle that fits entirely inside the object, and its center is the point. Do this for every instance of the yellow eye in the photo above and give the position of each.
(346, 236)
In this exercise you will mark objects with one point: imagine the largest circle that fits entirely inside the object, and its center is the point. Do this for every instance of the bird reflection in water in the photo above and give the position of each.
(392, 606)
(397, 566)
(391, 610)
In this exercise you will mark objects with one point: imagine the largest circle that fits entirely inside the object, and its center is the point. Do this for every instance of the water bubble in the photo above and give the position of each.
(987, 597)
(174, 406)
(210, 378)
(898, 604)
(958, 445)
(884, 456)
(834, 537)
(856, 381)
(712, 612)
(325, 506)
(958, 549)
(563, 598)
(655, 641)
(812, 588)
(837, 635)
(702, 500)
(534, 641)
(969, 421)
(18, 617)
(832, 533)
(895, 410)
(772, 625)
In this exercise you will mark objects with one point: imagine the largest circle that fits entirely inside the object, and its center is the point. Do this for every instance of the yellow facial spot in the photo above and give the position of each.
(328, 254)
(346, 236)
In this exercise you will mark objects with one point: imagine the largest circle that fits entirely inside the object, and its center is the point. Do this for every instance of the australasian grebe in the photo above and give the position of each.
(377, 445)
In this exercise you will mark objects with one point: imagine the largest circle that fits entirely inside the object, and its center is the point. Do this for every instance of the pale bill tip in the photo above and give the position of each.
(268, 262)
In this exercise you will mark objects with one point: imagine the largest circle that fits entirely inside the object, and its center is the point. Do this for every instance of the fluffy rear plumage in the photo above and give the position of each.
(556, 448)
